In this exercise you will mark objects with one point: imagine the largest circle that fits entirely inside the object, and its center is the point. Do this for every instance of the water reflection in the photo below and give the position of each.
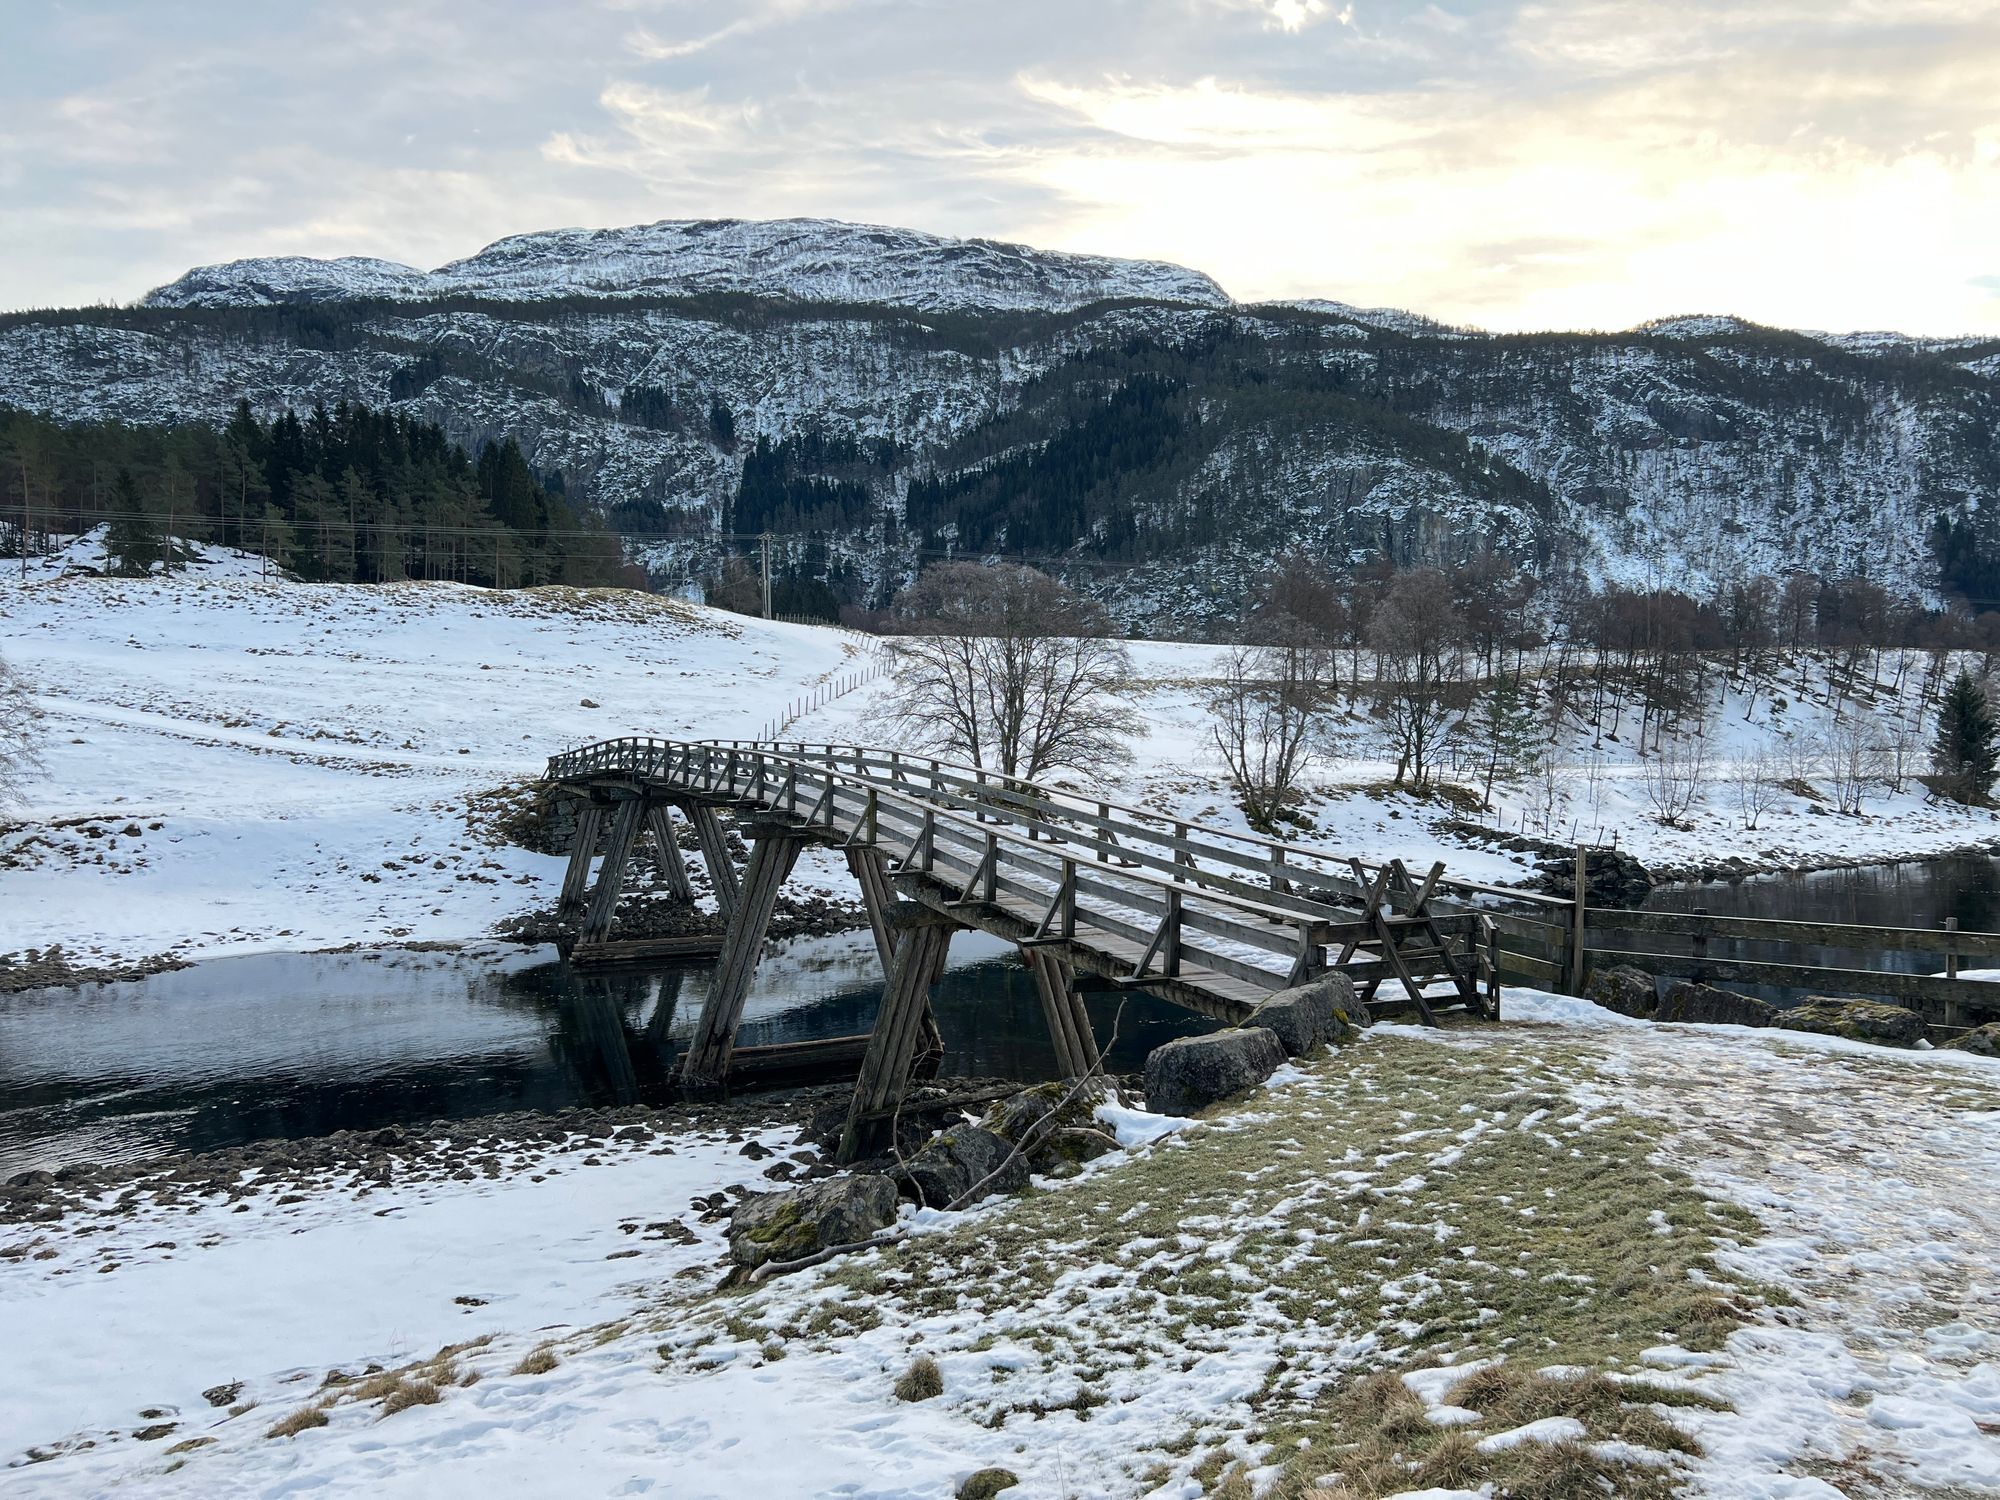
(278, 1045)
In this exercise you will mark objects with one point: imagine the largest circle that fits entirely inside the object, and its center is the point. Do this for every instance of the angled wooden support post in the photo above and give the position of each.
(1062, 1009)
(668, 843)
(885, 1071)
(871, 872)
(625, 825)
(771, 860)
(715, 855)
(576, 879)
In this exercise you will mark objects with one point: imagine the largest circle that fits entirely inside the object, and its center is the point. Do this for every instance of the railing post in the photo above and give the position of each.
(1069, 898)
(1951, 948)
(1172, 964)
(1700, 943)
(1576, 929)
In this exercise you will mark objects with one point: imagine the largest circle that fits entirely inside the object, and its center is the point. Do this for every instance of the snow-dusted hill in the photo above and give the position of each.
(814, 260)
(1689, 452)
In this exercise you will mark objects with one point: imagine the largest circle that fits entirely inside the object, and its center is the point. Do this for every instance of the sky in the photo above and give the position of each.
(1825, 164)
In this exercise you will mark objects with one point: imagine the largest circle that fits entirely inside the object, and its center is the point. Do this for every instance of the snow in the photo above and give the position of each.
(1546, 1430)
(281, 1294)
(1139, 1127)
(1880, 1219)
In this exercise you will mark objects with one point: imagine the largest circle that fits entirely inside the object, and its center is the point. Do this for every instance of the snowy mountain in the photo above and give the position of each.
(878, 396)
(814, 260)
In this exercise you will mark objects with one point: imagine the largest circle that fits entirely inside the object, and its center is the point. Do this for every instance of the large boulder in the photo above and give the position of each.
(1629, 991)
(1017, 1116)
(957, 1160)
(1858, 1020)
(1981, 1041)
(799, 1221)
(1707, 1004)
(1193, 1072)
(1308, 1016)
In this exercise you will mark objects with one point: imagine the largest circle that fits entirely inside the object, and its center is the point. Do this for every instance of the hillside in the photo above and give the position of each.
(879, 397)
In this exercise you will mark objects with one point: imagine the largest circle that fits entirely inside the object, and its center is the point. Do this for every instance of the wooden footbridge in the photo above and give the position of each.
(1203, 917)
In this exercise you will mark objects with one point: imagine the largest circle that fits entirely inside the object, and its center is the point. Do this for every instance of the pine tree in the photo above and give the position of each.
(1965, 754)
(133, 542)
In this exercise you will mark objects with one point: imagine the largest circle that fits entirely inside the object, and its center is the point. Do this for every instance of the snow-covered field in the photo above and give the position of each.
(237, 765)
(1870, 1362)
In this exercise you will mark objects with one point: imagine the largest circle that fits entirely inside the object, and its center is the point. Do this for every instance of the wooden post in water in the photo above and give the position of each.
(771, 860)
(1576, 925)
(1062, 1008)
(1954, 1014)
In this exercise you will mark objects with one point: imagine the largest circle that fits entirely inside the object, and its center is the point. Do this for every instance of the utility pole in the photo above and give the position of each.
(767, 575)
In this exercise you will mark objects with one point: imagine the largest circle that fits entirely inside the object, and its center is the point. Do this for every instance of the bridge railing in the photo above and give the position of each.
(1156, 838)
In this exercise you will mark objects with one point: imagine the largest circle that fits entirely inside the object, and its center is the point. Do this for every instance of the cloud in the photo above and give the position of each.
(1829, 163)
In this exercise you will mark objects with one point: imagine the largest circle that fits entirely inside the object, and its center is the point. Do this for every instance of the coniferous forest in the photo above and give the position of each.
(347, 495)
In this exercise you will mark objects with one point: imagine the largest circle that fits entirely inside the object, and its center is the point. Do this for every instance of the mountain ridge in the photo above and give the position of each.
(800, 259)
(695, 382)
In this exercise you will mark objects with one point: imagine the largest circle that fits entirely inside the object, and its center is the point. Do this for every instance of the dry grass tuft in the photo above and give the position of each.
(921, 1381)
(411, 1393)
(538, 1362)
(298, 1422)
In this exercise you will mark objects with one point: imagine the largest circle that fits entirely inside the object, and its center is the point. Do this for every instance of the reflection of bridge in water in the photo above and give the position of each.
(1205, 918)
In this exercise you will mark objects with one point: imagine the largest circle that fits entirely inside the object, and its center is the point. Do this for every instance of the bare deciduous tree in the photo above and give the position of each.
(1006, 668)
(1269, 714)
(20, 735)
(1419, 641)
(1758, 782)
(1858, 758)
(1676, 774)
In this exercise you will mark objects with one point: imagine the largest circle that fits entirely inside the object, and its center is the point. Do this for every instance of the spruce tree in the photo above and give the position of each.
(1965, 755)
(133, 542)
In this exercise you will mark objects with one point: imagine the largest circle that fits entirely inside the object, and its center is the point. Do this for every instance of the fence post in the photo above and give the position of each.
(1700, 936)
(1576, 928)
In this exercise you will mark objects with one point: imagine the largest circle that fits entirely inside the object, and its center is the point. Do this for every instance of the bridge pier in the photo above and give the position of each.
(923, 940)
(715, 855)
(661, 822)
(865, 862)
(772, 856)
(576, 879)
(1062, 1008)
(625, 825)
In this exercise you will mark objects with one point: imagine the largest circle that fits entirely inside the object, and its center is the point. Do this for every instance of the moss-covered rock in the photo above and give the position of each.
(1858, 1020)
(986, 1483)
(1704, 1003)
(801, 1221)
(1624, 989)
(1981, 1041)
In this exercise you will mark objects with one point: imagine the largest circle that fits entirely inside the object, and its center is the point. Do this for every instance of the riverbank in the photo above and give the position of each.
(1272, 1298)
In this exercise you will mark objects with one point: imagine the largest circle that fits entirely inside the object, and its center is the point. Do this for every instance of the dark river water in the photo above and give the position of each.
(291, 1044)
(1918, 894)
